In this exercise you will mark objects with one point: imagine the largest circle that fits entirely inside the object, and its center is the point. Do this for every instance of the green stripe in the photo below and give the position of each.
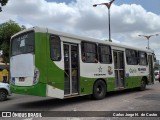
(37, 90)
(49, 72)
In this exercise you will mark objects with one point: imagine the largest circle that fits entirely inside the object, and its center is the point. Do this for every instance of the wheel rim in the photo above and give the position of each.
(2, 95)
(99, 89)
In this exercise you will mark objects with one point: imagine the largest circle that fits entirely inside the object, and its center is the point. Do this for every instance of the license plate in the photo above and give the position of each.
(21, 79)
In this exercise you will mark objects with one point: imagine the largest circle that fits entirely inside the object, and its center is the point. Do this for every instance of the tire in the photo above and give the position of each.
(143, 85)
(3, 95)
(99, 90)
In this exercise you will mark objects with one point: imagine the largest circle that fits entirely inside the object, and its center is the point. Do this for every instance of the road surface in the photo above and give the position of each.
(128, 100)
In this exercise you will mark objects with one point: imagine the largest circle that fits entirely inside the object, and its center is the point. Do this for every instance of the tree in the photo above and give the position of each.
(3, 2)
(8, 29)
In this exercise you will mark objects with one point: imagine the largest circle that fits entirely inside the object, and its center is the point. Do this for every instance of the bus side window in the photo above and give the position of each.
(83, 57)
(89, 52)
(131, 57)
(105, 55)
(142, 58)
(55, 48)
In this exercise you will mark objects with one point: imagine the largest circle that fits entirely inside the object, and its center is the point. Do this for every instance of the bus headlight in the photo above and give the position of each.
(36, 76)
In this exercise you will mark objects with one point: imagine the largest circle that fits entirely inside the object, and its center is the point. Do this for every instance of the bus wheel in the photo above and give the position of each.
(99, 90)
(143, 84)
(3, 95)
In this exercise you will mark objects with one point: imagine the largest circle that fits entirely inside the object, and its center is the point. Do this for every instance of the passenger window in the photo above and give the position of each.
(131, 57)
(105, 55)
(89, 52)
(55, 48)
(142, 58)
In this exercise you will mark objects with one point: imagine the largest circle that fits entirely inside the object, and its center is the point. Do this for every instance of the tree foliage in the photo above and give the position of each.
(3, 2)
(8, 29)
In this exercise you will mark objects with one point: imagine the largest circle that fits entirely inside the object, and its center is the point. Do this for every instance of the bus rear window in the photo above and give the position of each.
(22, 44)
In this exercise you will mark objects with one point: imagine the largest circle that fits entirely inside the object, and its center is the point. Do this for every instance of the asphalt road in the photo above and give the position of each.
(128, 100)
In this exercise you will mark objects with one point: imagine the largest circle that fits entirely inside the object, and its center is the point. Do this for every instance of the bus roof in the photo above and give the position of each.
(81, 38)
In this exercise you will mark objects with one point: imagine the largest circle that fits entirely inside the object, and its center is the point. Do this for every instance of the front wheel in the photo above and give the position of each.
(99, 90)
(3, 95)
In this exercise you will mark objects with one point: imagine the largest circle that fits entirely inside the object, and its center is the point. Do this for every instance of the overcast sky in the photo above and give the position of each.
(129, 18)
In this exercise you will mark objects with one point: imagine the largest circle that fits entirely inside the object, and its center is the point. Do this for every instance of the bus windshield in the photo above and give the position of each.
(23, 43)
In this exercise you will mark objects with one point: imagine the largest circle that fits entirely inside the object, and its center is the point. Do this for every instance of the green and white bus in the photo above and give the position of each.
(44, 62)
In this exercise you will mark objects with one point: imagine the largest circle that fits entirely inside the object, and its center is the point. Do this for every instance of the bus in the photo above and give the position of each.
(45, 62)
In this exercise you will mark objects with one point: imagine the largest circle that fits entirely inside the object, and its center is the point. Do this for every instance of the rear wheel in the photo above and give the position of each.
(3, 95)
(143, 85)
(99, 90)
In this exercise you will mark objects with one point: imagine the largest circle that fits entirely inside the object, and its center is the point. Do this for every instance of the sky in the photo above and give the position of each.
(129, 18)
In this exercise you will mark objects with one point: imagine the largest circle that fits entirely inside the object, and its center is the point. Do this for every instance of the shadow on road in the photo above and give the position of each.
(125, 92)
(50, 103)
(47, 104)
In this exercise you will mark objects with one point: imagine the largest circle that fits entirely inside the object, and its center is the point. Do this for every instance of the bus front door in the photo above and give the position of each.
(119, 69)
(71, 68)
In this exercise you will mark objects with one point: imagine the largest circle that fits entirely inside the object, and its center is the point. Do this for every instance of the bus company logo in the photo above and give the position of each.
(110, 71)
(141, 69)
(100, 69)
(132, 70)
(6, 114)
